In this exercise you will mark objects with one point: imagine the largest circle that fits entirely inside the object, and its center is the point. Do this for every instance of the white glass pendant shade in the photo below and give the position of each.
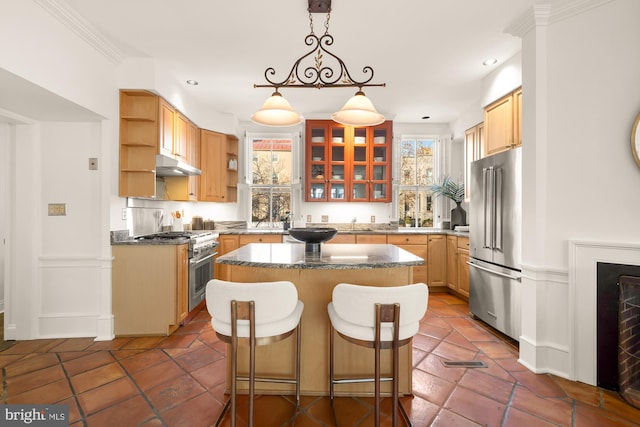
(358, 111)
(276, 111)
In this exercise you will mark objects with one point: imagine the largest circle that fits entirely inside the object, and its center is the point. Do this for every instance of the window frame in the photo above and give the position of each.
(437, 152)
(272, 188)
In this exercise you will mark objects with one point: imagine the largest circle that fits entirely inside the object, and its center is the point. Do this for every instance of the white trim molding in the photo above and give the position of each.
(583, 259)
(83, 29)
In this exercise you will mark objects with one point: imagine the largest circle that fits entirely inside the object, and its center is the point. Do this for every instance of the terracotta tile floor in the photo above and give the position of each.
(179, 381)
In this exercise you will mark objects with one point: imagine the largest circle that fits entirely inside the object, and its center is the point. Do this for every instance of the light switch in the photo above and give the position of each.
(93, 163)
(57, 209)
(325, 218)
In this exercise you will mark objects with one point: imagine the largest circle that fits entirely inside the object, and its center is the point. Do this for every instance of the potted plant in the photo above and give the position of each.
(447, 187)
(285, 220)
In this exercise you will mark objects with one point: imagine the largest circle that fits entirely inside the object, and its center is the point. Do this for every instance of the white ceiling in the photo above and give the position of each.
(429, 53)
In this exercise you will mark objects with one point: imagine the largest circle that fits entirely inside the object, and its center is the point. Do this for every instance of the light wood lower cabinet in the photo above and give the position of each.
(150, 288)
(457, 267)
(371, 238)
(417, 245)
(231, 242)
(227, 243)
(452, 262)
(463, 267)
(437, 260)
(343, 238)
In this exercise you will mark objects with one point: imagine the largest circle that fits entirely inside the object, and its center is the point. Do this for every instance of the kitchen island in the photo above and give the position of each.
(315, 276)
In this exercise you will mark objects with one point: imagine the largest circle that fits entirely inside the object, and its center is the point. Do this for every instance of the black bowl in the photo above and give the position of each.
(313, 235)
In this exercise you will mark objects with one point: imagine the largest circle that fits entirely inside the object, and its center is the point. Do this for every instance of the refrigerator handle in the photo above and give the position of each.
(492, 208)
(486, 220)
(497, 236)
(497, 273)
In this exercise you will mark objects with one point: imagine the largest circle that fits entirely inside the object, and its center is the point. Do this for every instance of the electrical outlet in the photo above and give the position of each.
(93, 163)
(325, 218)
(57, 209)
(124, 214)
(309, 218)
(373, 219)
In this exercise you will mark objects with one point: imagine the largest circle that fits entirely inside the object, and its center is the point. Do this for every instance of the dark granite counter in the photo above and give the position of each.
(332, 257)
(400, 230)
(151, 242)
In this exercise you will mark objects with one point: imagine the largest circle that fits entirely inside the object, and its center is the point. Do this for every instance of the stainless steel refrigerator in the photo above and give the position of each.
(495, 233)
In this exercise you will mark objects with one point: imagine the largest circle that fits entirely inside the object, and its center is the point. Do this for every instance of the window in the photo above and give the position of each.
(415, 200)
(270, 182)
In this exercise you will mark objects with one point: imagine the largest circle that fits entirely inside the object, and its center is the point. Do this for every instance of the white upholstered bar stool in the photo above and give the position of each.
(378, 318)
(254, 314)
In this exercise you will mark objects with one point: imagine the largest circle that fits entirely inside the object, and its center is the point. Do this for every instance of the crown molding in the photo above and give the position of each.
(60, 10)
(565, 9)
(543, 14)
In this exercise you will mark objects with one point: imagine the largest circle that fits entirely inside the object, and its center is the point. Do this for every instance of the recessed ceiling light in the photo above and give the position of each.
(192, 82)
(491, 61)
(426, 117)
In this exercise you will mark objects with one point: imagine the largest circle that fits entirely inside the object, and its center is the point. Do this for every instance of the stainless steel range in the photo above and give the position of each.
(202, 250)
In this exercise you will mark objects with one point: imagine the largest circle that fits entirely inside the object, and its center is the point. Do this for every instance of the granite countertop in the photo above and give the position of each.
(332, 257)
(400, 230)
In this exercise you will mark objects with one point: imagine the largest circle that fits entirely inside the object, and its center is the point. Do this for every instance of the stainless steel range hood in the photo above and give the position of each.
(168, 166)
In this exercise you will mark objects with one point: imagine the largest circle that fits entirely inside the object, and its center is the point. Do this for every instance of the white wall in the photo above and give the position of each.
(581, 93)
(4, 205)
(59, 277)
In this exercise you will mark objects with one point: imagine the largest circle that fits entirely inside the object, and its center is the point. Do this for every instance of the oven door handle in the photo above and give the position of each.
(191, 261)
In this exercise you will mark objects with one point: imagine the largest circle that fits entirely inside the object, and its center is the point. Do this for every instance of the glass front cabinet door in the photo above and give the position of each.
(345, 164)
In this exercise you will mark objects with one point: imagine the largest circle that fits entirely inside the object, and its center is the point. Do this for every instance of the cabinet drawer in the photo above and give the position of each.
(463, 243)
(260, 238)
(343, 238)
(403, 239)
(371, 238)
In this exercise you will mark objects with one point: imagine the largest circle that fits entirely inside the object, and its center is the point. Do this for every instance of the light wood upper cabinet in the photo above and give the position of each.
(138, 143)
(517, 117)
(181, 138)
(166, 123)
(219, 178)
(474, 149)
(149, 125)
(502, 120)
(437, 260)
(231, 165)
(212, 154)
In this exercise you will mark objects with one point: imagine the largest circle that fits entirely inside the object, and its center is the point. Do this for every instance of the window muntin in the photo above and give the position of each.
(270, 182)
(415, 200)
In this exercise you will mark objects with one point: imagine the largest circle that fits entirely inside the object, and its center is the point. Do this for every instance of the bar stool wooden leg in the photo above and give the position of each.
(252, 359)
(377, 368)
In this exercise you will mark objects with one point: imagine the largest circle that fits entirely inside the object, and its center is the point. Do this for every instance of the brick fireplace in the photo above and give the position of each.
(629, 339)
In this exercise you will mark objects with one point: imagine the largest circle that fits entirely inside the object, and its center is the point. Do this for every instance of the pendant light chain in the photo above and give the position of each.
(318, 68)
(326, 22)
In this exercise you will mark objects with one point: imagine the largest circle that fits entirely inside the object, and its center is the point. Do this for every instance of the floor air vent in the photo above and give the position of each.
(464, 364)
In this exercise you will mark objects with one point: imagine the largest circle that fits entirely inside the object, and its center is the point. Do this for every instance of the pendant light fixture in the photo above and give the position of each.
(276, 111)
(317, 69)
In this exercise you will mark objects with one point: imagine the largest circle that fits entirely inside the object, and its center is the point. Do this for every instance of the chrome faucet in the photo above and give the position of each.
(353, 222)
